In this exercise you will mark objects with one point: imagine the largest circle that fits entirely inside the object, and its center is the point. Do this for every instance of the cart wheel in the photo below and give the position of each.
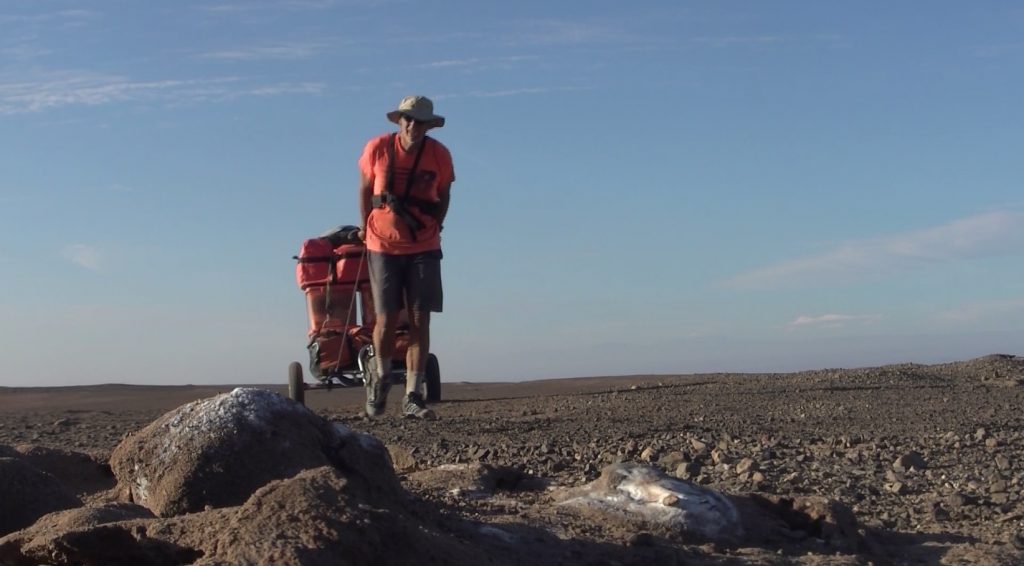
(432, 383)
(296, 388)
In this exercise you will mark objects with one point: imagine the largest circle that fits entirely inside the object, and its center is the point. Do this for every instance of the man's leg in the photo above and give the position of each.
(385, 283)
(384, 340)
(419, 348)
(423, 296)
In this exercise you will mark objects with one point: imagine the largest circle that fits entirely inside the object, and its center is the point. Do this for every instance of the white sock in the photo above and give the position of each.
(413, 380)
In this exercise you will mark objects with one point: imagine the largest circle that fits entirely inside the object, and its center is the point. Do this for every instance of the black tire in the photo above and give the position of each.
(433, 379)
(296, 388)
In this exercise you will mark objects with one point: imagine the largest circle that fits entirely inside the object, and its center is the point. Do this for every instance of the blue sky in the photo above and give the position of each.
(642, 187)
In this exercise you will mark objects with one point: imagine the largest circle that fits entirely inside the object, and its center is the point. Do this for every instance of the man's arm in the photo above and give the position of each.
(444, 195)
(365, 203)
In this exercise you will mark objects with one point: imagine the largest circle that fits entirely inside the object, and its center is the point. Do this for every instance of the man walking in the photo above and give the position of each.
(404, 187)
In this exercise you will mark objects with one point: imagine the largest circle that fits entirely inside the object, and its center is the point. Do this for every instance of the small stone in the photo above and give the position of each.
(746, 465)
(62, 422)
(688, 470)
(672, 460)
(757, 477)
(698, 446)
(648, 454)
(910, 460)
(1002, 462)
(956, 500)
(899, 488)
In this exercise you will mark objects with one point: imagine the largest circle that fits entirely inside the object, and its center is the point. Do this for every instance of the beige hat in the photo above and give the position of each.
(420, 108)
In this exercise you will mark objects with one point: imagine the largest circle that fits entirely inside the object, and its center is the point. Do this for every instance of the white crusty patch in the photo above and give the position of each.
(217, 417)
(648, 493)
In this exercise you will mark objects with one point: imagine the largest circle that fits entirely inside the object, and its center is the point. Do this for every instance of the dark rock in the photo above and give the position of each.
(27, 493)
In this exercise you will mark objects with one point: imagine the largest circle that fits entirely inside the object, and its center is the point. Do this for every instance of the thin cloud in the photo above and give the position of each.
(23, 50)
(503, 93)
(996, 50)
(83, 255)
(985, 310)
(731, 40)
(69, 88)
(281, 52)
(477, 64)
(293, 5)
(832, 320)
(66, 17)
(983, 235)
(552, 32)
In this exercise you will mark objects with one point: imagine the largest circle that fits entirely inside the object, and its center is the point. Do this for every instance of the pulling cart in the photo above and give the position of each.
(333, 274)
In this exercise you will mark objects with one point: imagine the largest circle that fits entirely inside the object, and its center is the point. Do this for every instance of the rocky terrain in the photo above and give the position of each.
(901, 464)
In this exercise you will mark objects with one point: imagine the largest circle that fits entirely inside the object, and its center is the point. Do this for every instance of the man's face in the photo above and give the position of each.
(411, 131)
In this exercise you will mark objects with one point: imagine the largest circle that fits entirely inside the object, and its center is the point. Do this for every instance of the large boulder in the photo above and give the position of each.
(216, 452)
(27, 493)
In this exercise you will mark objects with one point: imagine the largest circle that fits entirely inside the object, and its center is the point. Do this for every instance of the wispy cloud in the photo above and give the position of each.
(503, 92)
(730, 40)
(22, 49)
(832, 320)
(64, 17)
(554, 32)
(292, 51)
(995, 50)
(72, 88)
(984, 310)
(235, 7)
(983, 235)
(478, 64)
(83, 255)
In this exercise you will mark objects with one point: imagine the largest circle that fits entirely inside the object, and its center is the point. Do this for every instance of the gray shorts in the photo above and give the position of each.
(412, 280)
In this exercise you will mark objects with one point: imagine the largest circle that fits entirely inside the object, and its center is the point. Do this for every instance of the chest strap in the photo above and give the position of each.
(396, 203)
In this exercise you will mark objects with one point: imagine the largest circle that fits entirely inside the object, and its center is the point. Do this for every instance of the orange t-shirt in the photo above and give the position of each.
(386, 231)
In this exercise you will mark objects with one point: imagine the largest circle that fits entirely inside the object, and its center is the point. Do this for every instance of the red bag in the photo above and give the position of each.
(351, 264)
(320, 263)
(330, 308)
(316, 263)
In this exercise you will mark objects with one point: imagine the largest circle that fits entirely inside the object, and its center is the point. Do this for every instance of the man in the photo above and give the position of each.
(405, 180)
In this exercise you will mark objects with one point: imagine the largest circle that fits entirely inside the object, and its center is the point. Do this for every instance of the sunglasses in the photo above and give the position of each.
(409, 118)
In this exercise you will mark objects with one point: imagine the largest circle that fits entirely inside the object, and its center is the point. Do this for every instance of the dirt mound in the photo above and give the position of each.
(28, 493)
(216, 452)
(80, 473)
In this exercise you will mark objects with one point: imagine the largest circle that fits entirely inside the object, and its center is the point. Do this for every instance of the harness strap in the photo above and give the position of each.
(397, 204)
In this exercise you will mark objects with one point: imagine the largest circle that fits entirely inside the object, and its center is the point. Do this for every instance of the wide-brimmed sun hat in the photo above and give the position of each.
(419, 108)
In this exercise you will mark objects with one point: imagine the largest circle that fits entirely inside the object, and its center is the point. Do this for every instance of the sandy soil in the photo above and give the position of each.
(928, 459)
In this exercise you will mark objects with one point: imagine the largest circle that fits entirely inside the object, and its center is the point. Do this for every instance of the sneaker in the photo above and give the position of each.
(414, 407)
(377, 388)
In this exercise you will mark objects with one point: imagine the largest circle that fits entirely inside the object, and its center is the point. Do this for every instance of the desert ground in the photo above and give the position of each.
(898, 464)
